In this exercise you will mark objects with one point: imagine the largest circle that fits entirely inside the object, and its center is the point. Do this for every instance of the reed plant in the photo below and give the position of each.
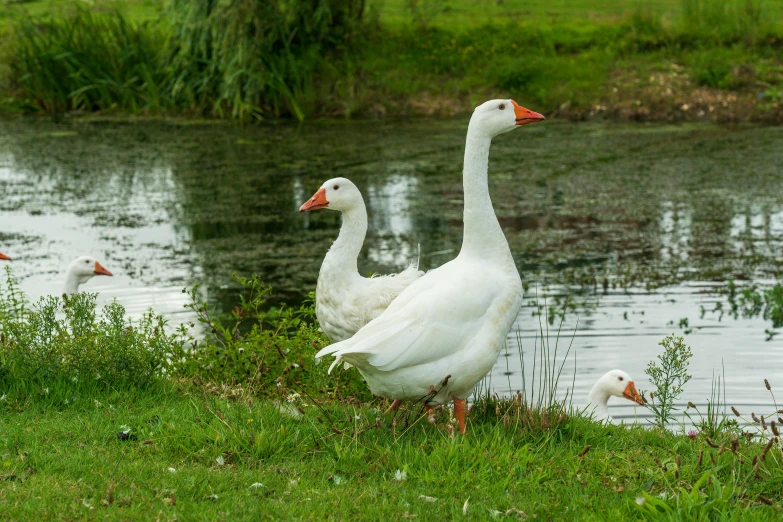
(87, 61)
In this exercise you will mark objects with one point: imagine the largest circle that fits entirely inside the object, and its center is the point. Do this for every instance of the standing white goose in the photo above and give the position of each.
(453, 321)
(615, 383)
(80, 271)
(344, 300)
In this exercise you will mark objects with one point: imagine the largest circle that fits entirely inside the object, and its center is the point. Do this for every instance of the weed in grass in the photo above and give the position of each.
(62, 346)
(668, 377)
(261, 347)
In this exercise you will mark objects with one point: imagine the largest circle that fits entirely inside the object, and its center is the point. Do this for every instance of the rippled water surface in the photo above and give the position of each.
(633, 230)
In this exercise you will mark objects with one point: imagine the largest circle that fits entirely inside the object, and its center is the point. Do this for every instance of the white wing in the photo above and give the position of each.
(433, 318)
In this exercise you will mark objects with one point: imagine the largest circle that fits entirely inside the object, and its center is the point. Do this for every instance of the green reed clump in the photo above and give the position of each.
(668, 376)
(65, 343)
(250, 59)
(264, 348)
(87, 61)
(234, 58)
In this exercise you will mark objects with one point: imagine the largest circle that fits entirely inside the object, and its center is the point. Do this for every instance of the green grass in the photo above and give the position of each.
(578, 59)
(68, 463)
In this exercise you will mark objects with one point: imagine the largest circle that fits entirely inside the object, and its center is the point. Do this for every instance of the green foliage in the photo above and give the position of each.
(262, 347)
(753, 301)
(87, 61)
(64, 345)
(248, 59)
(726, 21)
(668, 377)
(707, 499)
(239, 58)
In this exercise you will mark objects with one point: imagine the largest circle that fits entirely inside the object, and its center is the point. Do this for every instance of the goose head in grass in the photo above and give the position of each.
(498, 116)
(336, 194)
(82, 270)
(4, 257)
(615, 383)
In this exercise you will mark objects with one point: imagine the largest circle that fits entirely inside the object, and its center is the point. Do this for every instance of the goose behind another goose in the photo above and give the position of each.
(453, 320)
(614, 383)
(344, 300)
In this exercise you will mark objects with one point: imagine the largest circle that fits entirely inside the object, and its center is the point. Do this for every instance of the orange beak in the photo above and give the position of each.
(317, 201)
(525, 116)
(99, 270)
(631, 394)
(5, 257)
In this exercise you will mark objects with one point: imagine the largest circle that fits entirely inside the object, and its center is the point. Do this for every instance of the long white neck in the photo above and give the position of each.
(483, 235)
(344, 252)
(597, 402)
(72, 282)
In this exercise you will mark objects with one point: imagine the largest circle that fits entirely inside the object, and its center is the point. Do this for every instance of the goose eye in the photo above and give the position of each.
(620, 378)
(502, 106)
(336, 187)
(86, 261)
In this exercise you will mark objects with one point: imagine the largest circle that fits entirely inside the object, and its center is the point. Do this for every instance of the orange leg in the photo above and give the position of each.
(394, 406)
(459, 413)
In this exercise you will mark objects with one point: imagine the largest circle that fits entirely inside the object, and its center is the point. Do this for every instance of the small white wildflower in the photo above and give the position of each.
(212, 497)
(400, 475)
(640, 500)
(125, 429)
(295, 365)
(220, 460)
(279, 384)
(337, 479)
(357, 417)
(292, 397)
(172, 470)
(256, 485)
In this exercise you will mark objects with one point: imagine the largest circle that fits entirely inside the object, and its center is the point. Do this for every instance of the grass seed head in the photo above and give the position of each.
(766, 384)
(734, 410)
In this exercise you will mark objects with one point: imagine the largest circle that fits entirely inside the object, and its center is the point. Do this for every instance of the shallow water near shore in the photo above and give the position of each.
(631, 230)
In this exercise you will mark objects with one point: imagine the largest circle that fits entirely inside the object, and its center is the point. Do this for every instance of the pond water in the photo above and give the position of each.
(632, 230)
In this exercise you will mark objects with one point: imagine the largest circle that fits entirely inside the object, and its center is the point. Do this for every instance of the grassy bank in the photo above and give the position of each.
(105, 417)
(191, 452)
(665, 60)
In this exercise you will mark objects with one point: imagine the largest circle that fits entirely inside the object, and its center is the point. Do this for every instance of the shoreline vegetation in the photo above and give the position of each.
(670, 60)
(104, 416)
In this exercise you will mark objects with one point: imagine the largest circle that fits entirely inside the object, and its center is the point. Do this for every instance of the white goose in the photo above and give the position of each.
(80, 271)
(453, 320)
(615, 383)
(344, 300)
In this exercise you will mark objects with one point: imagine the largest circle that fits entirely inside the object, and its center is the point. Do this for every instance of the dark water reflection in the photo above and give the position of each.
(588, 209)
